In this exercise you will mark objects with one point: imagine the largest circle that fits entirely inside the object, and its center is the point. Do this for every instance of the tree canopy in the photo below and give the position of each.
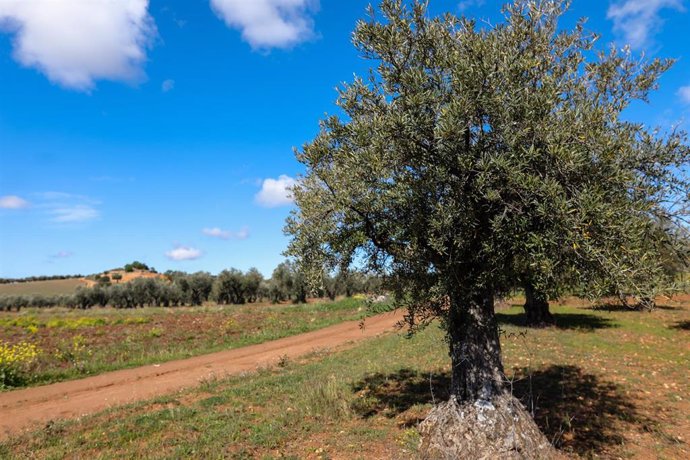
(475, 155)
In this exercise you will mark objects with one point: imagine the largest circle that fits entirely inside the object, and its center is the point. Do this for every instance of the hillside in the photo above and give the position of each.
(125, 276)
(49, 287)
(68, 286)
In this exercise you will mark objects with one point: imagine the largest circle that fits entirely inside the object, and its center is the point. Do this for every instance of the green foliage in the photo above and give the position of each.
(178, 288)
(473, 156)
(253, 280)
(155, 332)
(75, 352)
(229, 287)
(288, 282)
(15, 363)
(136, 265)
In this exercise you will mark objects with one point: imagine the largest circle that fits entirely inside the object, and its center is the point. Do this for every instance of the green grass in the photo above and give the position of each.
(610, 385)
(48, 287)
(78, 343)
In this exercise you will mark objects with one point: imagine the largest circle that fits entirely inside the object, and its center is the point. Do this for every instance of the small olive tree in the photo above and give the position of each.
(473, 158)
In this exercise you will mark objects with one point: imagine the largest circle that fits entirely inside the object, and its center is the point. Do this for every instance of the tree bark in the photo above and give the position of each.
(482, 419)
(537, 307)
(475, 349)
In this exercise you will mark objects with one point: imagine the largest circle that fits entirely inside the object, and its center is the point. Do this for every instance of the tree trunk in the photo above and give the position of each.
(475, 350)
(537, 307)
(482, 420)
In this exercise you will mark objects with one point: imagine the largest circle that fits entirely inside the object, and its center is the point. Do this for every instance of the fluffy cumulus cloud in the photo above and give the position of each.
(183, 253)
(638, 20)
(276, 192)
(269, 23)
(13, 202)
(75, 42)
(216, 232)
(684, 94)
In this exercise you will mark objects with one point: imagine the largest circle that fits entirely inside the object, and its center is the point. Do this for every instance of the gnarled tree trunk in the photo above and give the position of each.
(482, 420)
(475, 349)
(537, 307)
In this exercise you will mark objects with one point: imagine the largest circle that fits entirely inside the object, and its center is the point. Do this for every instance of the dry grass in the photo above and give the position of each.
(49, 287)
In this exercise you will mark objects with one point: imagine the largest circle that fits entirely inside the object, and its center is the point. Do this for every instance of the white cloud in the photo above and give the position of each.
(276, 192)
(75, 213)
(638, 20)
(217, 232)
(467, 4)
(183, 253)
(684, 93)
(75, 42)
(243, 234)
(269, 23)
(62, 255)
(12, 202)
(65, 208)
(168, 85)
(53, 196)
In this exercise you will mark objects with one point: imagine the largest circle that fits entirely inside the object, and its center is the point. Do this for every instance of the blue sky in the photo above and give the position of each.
(162, 131)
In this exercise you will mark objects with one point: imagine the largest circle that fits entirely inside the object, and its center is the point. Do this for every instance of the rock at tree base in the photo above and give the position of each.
(500, 429)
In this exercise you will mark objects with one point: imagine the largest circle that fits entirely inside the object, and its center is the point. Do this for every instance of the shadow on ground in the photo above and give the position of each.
(609, 307)
(579, 321)
(577, 411)
(683, 325)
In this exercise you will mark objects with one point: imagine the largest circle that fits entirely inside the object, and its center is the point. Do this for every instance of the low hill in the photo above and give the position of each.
(48, 287)
(124, 276)
(68, 286)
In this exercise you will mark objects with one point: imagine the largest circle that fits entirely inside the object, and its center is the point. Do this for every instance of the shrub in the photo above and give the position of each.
(155, 332)
(74, 352)
(15, 363)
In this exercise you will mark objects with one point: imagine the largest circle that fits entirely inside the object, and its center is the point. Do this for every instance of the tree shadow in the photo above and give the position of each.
(393, 394)
(683, 325)
(580, 321)
(616, 307)
(577, 411)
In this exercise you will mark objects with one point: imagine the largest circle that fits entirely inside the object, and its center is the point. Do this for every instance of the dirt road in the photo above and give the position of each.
(33, 407)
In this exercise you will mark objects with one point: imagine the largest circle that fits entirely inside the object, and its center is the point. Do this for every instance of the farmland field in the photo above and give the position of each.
(608, 384)
(76, 343)
(48, 287)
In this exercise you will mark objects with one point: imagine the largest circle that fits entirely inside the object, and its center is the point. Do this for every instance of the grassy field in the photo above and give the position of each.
(76, 343)
(601, 384)
(49, 287)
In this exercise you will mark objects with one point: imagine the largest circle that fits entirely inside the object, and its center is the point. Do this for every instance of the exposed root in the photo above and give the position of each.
(496, 429)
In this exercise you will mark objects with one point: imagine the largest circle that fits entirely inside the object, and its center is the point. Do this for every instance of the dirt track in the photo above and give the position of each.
(30, 408)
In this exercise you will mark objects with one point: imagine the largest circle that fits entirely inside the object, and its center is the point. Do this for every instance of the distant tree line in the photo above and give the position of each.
(177, 288)
(30, 279)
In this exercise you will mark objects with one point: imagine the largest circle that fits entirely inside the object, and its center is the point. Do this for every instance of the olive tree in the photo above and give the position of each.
(473, 157)
(229, 287)
(252, 284)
